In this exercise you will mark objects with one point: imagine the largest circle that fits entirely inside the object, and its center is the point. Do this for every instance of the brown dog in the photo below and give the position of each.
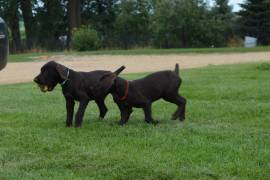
(143, 92)
(76, 86)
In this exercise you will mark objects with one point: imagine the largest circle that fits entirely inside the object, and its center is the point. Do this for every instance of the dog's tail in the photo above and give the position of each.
(176, 70)
(119, 70)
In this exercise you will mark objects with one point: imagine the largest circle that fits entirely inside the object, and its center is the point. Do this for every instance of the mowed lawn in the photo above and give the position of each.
(226, 134)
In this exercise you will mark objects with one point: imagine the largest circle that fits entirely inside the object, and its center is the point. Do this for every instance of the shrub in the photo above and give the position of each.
(235, 42)
(85, 39)
(263, 67)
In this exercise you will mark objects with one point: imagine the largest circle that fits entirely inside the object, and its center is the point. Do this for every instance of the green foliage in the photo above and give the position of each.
(132, 24)
(10, 12)
(255, 15)
(263, 66)
(144, 23)
(101, 15)
(222, 27)
(51, 23)
(85, 39)
(225, 136)
(189, 23)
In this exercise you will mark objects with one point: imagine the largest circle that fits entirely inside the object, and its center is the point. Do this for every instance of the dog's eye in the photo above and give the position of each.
(44, 73)
(43, 70)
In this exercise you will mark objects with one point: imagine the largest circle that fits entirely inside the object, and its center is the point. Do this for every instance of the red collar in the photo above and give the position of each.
(124, 97)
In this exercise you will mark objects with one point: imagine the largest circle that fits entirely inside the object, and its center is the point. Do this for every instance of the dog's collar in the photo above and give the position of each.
(124, 97)
(64, 82)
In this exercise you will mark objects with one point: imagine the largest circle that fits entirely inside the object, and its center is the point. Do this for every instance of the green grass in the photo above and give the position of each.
(225, 136)
(147, 51)
(29, 57)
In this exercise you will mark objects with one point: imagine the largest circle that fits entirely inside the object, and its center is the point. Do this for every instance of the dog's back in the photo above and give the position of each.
(93, 77)
(157, 85)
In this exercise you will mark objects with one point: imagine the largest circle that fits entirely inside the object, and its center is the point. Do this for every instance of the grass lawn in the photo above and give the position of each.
(148, 51)
(226, 134)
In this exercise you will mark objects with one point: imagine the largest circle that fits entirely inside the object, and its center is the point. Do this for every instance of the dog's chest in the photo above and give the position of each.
(71, 94)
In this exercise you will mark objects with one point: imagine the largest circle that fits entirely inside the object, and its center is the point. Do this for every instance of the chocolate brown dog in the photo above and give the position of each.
(76, 86)
(143, 92)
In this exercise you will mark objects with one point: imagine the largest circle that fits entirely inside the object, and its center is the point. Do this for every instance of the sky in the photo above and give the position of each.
(234, 3)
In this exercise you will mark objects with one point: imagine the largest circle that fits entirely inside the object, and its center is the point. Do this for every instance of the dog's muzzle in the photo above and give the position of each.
(43, 88)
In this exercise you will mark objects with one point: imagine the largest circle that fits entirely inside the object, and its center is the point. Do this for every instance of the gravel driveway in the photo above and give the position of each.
(25, 71)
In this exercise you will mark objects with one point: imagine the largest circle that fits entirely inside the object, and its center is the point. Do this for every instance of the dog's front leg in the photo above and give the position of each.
(148, 114)
(80, 112)
(70, 109)
(125, 114)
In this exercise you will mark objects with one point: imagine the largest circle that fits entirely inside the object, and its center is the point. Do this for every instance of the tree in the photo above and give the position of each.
(222, 20)
(132, 24)
(181, 23)
(74, 16)
(52, 23)
(101, 15)
(9, 10)
(29, 22)
(255, 20)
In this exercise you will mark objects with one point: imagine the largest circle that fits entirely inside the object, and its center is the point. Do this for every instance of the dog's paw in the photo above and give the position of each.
(121, 123)
(174, 117)
(68, 125)
(181, 118)
(153, 122)
(100, 118)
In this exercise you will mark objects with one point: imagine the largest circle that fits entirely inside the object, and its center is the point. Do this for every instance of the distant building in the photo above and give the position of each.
(250, 42)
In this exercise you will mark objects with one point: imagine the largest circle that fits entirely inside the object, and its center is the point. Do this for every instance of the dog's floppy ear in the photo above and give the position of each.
(62, 70)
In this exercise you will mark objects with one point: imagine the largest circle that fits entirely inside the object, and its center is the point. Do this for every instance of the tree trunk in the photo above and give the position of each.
(13, 22)
(184, 38)
(74, 17)
(29, 22)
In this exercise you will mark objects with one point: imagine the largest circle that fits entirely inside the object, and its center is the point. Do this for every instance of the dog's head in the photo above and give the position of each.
(51, 74)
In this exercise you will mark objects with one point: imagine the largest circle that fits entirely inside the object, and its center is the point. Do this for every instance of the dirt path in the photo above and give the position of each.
(24, 72)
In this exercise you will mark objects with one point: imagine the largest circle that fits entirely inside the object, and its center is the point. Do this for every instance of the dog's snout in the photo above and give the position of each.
(36, 79)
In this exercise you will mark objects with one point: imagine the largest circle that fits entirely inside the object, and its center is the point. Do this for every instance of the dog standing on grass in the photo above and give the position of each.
(143, 92)
(76, 86)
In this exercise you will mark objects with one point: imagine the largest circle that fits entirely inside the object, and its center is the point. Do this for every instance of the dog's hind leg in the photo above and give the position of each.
(70, 109)
(181, 106)
(102, 108)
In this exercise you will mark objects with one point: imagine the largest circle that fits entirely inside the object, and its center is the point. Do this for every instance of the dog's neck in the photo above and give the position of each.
(64, 82)
(120, 87)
